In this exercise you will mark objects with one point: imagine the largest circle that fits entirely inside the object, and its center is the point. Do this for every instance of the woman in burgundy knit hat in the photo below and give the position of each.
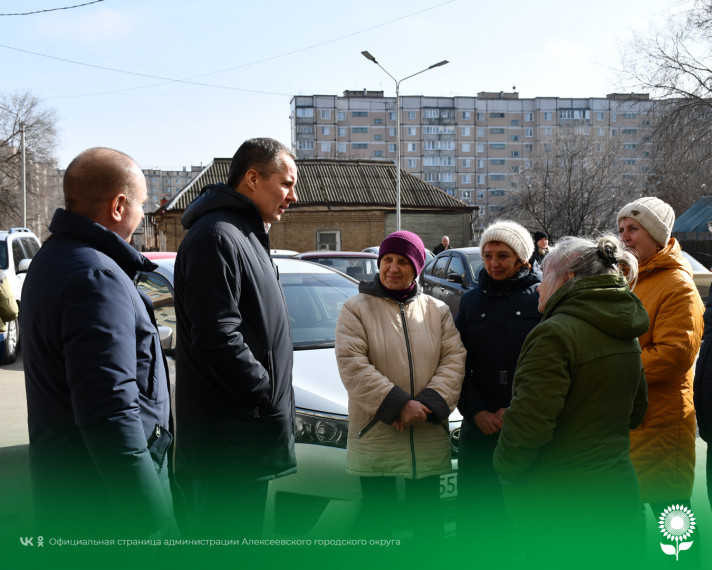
(402, 362)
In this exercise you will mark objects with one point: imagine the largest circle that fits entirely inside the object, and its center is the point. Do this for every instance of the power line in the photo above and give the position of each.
(52, 9)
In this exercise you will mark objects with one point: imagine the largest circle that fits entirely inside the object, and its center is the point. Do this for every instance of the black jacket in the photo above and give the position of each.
(97, 387)
(703, 379)
(234, 397)
(494, 318)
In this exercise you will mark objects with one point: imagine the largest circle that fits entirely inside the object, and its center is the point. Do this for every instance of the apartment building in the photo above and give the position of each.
(162, 185)
(476, 149)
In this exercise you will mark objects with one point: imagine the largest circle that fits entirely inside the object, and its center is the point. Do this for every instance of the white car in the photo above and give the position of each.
(321, 499)
(17, 248)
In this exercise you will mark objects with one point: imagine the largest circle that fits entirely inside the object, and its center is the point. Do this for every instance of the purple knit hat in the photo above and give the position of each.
(406, 244)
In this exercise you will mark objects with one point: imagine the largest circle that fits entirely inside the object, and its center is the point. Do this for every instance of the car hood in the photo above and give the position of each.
(317, 383)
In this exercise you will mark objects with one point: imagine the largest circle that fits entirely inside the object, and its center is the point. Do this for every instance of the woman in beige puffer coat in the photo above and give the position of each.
(402, 362)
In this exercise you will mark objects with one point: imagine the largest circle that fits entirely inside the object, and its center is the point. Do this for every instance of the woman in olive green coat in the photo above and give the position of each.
(563, 453)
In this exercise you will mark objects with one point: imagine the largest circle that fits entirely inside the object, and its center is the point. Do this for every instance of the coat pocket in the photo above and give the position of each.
(158, 444)
(367, 428)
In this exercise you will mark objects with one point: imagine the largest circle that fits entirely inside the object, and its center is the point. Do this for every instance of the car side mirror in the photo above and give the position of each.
(24, 265)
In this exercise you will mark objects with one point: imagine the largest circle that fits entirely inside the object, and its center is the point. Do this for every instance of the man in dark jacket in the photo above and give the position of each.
(97, 387)
(234, 397)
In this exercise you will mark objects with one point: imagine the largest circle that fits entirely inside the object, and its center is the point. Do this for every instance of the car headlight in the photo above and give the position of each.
(321, 429)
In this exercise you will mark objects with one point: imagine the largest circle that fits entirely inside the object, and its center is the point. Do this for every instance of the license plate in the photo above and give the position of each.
(448, 485)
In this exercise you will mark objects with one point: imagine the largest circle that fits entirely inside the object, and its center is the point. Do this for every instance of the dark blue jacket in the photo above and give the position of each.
(494, 318)
(97, 387)
(234, 397)
(703, 379)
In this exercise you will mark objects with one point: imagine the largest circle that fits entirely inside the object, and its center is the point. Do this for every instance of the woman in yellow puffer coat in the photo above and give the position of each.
(663, 447)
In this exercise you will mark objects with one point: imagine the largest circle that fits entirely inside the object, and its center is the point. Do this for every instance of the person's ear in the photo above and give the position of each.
(118, 205)
(251, 179)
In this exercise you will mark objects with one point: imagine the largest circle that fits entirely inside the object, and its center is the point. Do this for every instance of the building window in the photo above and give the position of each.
(391, 116)
(467, 194)
(450, 191)
(377, 121)
(377, 137)
(466, 147)
(466, 163)
(600, 116)
(497, 176)
(340, 116)
(529, 132)
(325, 130)
(360, 146)
(431, 113)
(578, 114)
(630, 115)
(305, 129)
(529, 147)
(391, 131)
(528, 117)
(497, 192)
(630, 146)
(305, 111)
(547, 131)
(467, 178)
(629, 131)
(412, 131)
(496, 115)
(480, 163)
(305, 145)
(548, 116)
(480, 131)
(341, 147)
(515, 169)
(447, 114)
(430, 176)
(480, 194)
(515, 153)
(465, 131)
(328, 240)
(359, 129)
(447, 177)
(630, 161)
(497, 146)
(325, 147)
(411, 115)
(465, 115)
(326, 114)
(480, 147)
(378, 153)
(497, 161)
(412, 147)
(391, 147)
(359, 113)
(496, 131)
(342, 131)
(514, 122)
(480, 116)
(412, 162)
(480, 179)
(515, 138)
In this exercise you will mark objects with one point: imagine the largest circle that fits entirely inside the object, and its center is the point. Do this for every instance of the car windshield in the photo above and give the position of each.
(314, 301)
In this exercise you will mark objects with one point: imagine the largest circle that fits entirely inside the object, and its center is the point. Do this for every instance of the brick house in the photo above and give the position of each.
(344, 205)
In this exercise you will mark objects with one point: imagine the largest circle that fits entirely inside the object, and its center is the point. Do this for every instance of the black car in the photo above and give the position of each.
(450, 274)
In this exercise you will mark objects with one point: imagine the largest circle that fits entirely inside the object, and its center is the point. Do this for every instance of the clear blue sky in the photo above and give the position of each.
(175, 83)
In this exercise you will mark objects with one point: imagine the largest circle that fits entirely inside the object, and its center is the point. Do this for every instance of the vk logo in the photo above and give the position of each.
(25, 541)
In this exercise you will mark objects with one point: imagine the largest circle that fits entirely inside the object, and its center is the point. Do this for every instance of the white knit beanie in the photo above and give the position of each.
(654, 215)
(511, 233)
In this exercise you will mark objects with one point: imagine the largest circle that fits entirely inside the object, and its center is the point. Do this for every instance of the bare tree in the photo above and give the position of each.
(575, 184)
(24, 111)
(675, 65)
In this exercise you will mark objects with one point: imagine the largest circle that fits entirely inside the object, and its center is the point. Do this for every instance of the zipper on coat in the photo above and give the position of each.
(368, 427)
(412, 386)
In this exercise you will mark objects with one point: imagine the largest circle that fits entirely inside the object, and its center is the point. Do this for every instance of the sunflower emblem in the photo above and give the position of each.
(676, 523)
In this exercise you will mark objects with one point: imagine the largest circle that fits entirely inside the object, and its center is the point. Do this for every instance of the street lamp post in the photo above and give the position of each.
(368, 56)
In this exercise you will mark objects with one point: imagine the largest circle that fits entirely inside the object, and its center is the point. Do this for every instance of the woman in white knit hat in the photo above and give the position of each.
(494, 318)
(663, 447)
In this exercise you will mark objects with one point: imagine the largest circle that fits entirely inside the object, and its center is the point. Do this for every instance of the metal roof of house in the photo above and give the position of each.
(695, 218)
(338, 183)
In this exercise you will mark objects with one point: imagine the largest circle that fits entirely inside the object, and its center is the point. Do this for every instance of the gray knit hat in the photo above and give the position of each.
(654, 215)
(511, 233)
